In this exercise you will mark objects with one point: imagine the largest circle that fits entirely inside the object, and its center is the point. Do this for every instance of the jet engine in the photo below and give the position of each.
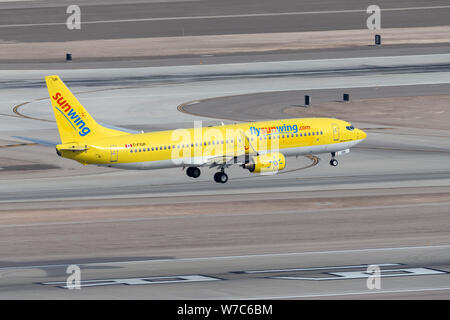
(266, 163)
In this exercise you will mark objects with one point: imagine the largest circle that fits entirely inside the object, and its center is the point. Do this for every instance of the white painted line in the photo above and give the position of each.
(445, 246)
(404, 272)
(342, 294)
(139, 281)
(320, 268)
(249, 15)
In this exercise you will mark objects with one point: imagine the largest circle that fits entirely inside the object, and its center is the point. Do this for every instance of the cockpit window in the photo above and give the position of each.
(350, 127)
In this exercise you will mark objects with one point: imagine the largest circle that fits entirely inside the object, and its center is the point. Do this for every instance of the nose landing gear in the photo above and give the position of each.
(333, 161)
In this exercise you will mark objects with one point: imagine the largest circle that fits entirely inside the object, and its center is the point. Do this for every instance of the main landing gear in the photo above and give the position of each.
(333, 160)
(193, 172)
(221, 177)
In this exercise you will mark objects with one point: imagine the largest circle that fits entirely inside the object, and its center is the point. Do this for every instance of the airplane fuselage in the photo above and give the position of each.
(199, 146)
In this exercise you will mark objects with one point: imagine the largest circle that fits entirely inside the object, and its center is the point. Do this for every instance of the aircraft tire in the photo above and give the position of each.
(220, 177)
(334, 162)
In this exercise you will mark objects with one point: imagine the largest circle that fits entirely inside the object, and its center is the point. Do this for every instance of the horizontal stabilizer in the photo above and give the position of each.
(38, 141)
(73, 148)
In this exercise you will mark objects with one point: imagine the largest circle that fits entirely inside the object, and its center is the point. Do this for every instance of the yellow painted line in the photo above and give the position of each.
(16, 111)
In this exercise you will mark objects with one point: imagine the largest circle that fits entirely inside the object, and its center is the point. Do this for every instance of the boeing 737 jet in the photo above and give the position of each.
(260, 147)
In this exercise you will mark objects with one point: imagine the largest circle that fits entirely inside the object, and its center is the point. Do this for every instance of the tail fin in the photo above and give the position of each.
(75, 124)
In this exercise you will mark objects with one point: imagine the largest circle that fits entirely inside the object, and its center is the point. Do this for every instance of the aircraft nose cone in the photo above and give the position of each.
(361, 134)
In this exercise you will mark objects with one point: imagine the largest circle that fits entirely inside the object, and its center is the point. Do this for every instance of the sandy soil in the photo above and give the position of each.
(196, 45)
(14, 217)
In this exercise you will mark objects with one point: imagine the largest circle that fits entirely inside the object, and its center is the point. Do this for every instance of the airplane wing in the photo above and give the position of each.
(219, 160)
(227, 160)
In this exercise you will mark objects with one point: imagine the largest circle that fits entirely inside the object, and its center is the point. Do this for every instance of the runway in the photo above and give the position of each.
(309, 232)
(104, 20)
(294, 275)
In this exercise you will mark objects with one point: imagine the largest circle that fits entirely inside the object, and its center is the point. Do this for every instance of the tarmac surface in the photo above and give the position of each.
(310, 232)
(106, 20)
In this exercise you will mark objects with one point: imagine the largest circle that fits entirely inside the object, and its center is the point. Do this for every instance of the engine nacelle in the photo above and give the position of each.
(266, 163)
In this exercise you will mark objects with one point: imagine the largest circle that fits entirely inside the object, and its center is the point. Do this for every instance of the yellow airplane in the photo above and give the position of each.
(259, 147)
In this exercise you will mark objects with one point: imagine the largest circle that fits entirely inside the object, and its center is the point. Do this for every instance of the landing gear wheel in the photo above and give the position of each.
(220, 177)
(193, 172)
(333, 162)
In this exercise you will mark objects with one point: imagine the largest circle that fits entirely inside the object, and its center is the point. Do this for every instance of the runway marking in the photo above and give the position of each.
(316, 268)
(341, 294)
(137, 281)
(19, 114)
(16, 111)
(445, 246)
(248, 15)
(349, 275)
(171, 279)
